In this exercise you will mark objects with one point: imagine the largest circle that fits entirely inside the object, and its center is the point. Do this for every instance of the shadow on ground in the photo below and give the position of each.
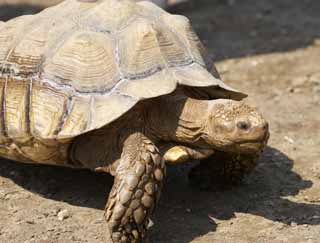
(239, 28)
(182, 208)
(8, 12)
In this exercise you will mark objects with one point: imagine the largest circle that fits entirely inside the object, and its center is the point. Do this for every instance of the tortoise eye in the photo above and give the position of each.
(243, 125)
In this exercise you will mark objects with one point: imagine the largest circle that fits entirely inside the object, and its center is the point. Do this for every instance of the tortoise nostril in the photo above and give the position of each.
(243, 125)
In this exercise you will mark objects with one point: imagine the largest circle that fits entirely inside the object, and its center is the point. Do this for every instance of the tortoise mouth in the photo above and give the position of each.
(255, 146)
(252, 147)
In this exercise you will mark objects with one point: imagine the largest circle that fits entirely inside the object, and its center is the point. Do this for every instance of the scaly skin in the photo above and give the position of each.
(128, 149)
(137, 187)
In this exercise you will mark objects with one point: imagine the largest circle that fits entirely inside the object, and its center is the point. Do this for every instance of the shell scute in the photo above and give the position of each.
(86, 62)
(172, 48)
(48, 105)
(78, 118)
(116, 103)
(148, 87)
(9, 33)
(15, 113)
(112, 15)
(28, 53)
(139, 50)
(182, 27)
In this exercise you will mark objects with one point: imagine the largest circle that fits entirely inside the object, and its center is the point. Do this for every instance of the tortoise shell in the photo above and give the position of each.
(80, 65)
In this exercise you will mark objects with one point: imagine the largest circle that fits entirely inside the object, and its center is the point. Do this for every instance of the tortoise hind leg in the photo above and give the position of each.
(222, 170)
(136, 190)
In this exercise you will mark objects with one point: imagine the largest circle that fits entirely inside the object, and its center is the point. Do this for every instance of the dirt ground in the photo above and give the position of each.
(271, 50)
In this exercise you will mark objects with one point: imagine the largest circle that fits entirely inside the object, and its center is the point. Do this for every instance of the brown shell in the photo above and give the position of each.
(78, 66)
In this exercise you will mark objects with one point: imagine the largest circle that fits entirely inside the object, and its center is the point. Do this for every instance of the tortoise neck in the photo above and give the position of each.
(177, 118)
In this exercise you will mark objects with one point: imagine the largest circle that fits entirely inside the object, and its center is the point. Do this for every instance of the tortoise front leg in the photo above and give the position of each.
(223, 169)
(136, 190)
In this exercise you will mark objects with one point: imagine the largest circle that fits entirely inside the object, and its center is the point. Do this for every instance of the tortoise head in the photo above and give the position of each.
(235, 126)
(220, 124)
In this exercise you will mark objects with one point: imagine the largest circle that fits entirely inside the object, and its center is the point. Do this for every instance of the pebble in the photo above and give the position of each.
(300, 81)
(55, 211)
(280, 226)
(315, 79)
(293, 224)
(64, 214)
(288, 139)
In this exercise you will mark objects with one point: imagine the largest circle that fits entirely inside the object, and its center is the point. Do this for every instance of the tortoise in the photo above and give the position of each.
(123, 88)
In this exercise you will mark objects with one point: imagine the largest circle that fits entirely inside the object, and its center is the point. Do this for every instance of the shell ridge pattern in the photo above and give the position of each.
(17, 39)
(180, 40)
(5, 67)
(184, 43)
(90, 115)
(150, 71)
(205, 59)
(68, 107)
(3, 109)
(28, 107)
(65, 35)
(27, 27)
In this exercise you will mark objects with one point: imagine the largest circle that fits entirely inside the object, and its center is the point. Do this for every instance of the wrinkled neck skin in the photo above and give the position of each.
(178, 119)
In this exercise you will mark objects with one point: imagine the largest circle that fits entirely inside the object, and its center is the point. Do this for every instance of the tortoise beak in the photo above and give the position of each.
(257, 146)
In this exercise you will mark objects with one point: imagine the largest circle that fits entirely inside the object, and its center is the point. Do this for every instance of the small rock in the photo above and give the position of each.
(55, 211)
(299, 81)
(288, 139)
(293, 224)
(98, 221)
(212, 219)
(30, 222)
(254, 63)
(50, 229)
(280, 226)
(64, 214)
(294, 90)
(316, 42)
(316, 89)
(315, 79)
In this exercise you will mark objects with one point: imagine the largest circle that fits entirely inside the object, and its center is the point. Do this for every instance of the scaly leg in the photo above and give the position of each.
(136, 190)
(223, 170)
